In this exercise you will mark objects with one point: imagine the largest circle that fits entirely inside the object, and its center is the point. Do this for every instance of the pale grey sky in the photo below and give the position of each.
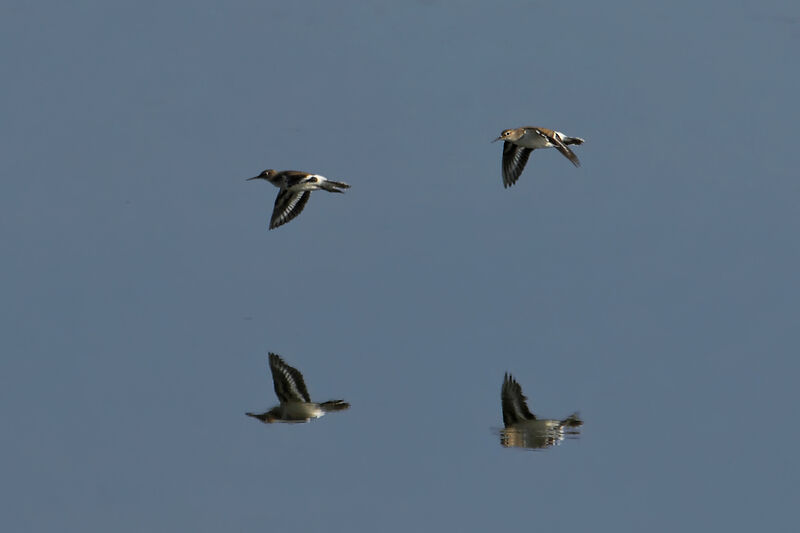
(654, 289)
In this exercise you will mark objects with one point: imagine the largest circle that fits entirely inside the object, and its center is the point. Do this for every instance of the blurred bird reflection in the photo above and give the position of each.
(523, 429)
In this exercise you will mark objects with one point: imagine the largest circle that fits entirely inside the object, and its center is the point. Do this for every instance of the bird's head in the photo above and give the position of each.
(505, 135)
(266, 175)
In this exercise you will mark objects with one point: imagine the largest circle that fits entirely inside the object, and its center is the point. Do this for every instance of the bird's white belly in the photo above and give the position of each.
(534, 140)
(302, 411)
(532, 434)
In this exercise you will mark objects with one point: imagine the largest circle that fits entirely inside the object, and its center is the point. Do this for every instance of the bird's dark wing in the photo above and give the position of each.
(288, 381)
(514, 159)
(295, 177)
(561, 147)
(287, 206)
(515, 408)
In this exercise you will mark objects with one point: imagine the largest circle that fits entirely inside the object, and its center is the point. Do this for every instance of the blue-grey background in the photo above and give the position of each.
(654, 289)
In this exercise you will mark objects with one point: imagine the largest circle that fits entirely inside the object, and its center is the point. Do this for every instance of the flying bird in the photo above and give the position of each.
(522, 428)
(295, 404)
(518, 144)
(295, 188)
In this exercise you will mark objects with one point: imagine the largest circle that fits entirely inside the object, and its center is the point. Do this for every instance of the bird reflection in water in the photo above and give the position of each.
(523, 429)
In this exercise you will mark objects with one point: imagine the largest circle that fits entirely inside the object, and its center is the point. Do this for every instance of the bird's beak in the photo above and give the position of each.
(253, 178)
(499, 138)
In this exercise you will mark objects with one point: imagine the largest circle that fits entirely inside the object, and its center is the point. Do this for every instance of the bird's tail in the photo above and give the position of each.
(572, 140)
(334, 186)
(572, 421)
(334, 405)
